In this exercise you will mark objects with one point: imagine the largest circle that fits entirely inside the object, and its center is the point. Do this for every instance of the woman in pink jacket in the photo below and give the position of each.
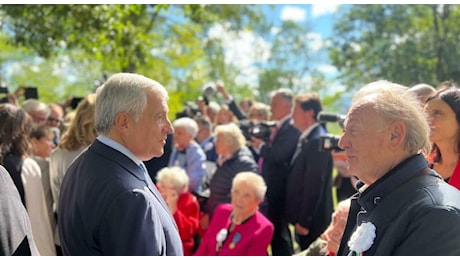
(239, 229)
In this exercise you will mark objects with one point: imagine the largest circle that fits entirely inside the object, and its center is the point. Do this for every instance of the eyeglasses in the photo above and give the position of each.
(57, 120)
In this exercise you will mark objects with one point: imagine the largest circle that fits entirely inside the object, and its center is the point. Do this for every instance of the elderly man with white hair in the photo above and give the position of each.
(38, 110)
(404, 207)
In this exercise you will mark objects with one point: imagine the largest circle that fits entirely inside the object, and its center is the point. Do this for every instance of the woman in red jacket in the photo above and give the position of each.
(172, 182)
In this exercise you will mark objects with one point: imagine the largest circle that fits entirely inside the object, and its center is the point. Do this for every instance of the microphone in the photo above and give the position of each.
(331, 117)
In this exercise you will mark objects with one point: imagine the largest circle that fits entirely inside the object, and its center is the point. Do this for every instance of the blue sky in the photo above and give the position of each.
(246, 49)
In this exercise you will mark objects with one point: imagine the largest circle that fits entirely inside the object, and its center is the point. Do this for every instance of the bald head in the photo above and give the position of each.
(423, 91)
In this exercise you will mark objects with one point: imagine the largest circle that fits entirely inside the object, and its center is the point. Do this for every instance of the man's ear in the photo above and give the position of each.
(122, 122)
(397, 134)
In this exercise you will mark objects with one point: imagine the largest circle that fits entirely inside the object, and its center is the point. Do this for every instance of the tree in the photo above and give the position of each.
(407, 44)
(146, 39)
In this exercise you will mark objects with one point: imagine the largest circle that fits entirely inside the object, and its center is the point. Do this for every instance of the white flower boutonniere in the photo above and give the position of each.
(220, 238)
(362, 239)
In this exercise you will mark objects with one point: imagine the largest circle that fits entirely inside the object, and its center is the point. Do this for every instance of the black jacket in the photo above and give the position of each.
(221, 182)
(414, 211)
(276, 164)
(309, 185)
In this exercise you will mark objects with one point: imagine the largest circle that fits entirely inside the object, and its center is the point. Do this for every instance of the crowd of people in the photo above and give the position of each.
(116, 176)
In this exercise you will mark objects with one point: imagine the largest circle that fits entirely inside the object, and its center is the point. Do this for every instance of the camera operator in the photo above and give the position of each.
(257, 127)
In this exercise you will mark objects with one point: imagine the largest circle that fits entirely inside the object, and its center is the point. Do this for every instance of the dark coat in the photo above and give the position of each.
(221, 182)
(309, 185)
(414, 211)
(106, 208)
(275, 167)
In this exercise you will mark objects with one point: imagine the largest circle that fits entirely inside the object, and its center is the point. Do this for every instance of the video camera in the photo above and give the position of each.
(330, 142)
(191, 110)
(257, 129)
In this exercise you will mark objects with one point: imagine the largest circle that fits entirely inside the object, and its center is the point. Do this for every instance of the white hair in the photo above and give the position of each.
(190, 125)
(123, 92)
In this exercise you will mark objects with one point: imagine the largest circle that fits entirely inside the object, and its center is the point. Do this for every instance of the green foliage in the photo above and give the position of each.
(79, 44)
(408, 44)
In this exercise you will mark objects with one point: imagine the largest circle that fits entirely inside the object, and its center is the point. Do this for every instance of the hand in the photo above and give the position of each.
(201, 105)
(342, 168)
(256, 142)
(19, 91)
(301, 230)
(170, 196)
(221, 89)
(204, 221)
(13, 99)
(332, 241)
(171, 200)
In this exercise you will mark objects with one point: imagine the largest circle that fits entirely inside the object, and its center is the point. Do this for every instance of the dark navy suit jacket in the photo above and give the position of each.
(309, 185)
(106, 208)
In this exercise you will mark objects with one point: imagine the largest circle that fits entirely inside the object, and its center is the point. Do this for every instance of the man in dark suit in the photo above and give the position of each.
(274, 158)
(309, 187)
(108, 204)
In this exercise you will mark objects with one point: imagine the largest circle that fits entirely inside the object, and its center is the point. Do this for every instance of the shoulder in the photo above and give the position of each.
(224, 209)
(30, 167)
(195, 148)
(262, 220)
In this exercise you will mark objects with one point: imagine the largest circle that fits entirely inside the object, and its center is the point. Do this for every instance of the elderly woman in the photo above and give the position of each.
(239, 229)
(187, 153)
(172, 182)
(443, 109)
(233, 157)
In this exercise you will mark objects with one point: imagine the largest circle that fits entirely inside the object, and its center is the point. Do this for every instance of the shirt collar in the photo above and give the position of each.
(119, 147)
(308, 131)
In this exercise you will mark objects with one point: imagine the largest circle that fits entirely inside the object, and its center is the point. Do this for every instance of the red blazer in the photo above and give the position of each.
(186, 217)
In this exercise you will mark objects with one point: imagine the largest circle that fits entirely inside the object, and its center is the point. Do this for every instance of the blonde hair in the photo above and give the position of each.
(231, 134)
(260, 109)
(81, 131)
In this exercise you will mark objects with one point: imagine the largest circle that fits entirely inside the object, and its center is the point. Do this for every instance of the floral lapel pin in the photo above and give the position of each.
(362, 239)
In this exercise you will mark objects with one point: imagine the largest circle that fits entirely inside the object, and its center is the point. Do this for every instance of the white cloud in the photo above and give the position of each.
(242, 50)
(318, 10)
(275, 30)
(291, 13)
(327, 69)
(315, 41)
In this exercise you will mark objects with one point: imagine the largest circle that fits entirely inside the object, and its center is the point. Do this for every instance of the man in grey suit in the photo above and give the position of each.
(108, 204)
